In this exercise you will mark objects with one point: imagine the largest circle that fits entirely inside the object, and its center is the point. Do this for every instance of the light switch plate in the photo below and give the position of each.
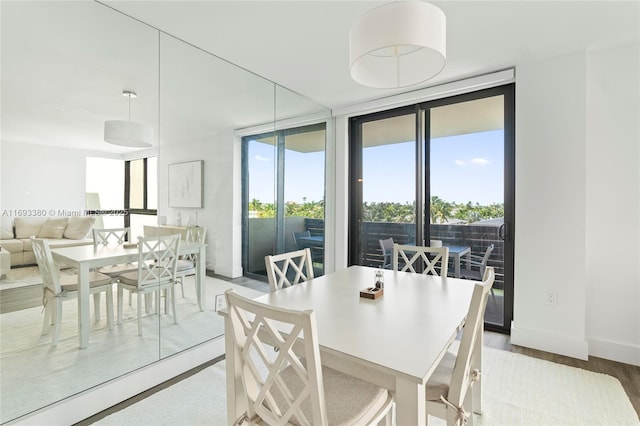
(220, 302)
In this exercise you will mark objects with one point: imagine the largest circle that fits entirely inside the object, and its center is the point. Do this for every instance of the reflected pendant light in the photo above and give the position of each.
(128, 133)
(398, 45)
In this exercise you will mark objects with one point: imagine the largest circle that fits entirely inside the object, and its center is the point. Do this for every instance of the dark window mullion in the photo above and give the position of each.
(280, 207)
(127, 192)
(144, 183)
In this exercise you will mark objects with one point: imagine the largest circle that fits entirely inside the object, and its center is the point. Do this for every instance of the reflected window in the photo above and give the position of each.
(105, 188)
(141, 194)
(283, 195)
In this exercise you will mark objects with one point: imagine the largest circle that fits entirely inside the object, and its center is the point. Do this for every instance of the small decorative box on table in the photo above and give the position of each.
(372, 293)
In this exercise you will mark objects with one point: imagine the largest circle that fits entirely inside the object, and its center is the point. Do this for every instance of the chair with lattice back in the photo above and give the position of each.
(287, 269)
(428, 260)
(448, 390)
(116, 236)
(157, 262)
(187, 263)
(284, 387)
(57, 288)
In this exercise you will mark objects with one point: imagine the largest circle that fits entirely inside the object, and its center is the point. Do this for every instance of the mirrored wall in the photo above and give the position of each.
(64, 67)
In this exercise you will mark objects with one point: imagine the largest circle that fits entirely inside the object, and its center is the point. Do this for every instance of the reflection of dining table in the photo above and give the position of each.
(395, 341)
(87, 257)
(456, 252)
(312, 241)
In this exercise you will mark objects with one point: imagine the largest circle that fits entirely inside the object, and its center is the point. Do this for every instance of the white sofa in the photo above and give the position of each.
(60, 231)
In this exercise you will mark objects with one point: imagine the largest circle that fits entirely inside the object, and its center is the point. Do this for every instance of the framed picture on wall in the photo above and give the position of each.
(186, 184)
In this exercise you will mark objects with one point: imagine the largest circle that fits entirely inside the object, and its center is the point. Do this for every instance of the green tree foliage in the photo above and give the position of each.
(441, 211)
(310, 209)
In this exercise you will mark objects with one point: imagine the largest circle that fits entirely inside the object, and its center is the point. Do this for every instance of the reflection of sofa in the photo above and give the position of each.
(60, 231)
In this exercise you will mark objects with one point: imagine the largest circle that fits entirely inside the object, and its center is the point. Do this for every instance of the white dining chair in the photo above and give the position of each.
(448, 390)
(57, 288)
(157, 261)
(429, 260)
(287, 269)
(187, 263)
(113, 236)
(282, 387)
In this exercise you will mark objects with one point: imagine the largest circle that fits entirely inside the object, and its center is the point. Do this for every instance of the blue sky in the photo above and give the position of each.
(463, 168)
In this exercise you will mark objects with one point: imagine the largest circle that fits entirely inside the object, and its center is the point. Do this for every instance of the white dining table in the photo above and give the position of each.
(395, 341)
(88, 257)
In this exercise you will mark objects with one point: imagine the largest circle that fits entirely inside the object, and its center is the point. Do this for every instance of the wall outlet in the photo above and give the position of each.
(220, 302)
(552, 297)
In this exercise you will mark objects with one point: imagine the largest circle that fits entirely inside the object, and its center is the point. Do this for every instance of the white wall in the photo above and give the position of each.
(222, 192)
(42, 177)
(577, 205)
(550, 205)
(613, 204)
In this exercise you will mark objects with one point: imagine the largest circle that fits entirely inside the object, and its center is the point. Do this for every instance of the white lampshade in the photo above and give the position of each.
(398, 44)
(128, 133)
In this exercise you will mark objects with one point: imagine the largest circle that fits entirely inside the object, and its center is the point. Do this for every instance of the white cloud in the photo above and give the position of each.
(479, 161)
(460, 163)
(261, 158)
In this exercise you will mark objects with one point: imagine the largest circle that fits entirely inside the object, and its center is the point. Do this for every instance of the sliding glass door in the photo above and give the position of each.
(385, 184)
(469, 157)
(439, 173)
(283, 195)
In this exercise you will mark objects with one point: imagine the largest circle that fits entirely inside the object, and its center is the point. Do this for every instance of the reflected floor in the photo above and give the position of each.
(35, 374)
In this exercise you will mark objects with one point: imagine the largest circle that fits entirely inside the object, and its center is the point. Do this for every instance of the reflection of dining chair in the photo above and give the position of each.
(296, 238)
(187, 263)
(58, 288)
(157, 261)
(106, 236)
(386, 245)
(431, 260)
(282, 387)
(448, 390)
(279, 273)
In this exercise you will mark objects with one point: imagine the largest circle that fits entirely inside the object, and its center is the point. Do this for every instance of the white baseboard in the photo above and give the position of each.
(615, 351)
(229, 272)
(92, 401)
(549, 342)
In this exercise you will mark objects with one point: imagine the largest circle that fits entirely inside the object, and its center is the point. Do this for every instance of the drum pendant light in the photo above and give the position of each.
(128, 133)
(398, 44)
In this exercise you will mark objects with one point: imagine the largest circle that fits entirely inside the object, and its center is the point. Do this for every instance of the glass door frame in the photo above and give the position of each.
(423, 195)
(356, 172)
(279, 136)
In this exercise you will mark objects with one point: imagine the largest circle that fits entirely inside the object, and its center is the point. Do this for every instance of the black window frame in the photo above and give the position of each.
(127, 192)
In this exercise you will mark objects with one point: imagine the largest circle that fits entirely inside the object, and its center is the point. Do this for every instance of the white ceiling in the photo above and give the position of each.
(303, 45)
(58, 86)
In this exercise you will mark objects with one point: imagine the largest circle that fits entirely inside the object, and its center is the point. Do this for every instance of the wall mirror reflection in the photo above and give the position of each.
(64, 68)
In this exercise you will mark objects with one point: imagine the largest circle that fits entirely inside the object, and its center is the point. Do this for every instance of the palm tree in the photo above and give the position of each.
(440, 210)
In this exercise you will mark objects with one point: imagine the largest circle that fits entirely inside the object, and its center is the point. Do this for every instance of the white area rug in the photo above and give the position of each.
(519, 390)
